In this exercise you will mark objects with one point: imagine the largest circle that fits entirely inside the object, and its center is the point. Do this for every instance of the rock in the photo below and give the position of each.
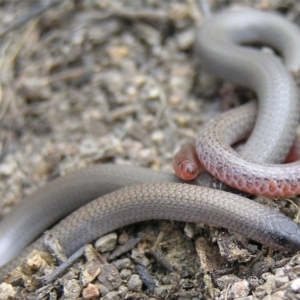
(106, 243)
(162, 291)
(125, 274)
(139, 257)
(225, 280)
(109, 276)
(90, 292)
(279, 281)
(295, 285)
(122, 291)
(135, 283)
(72, 289)
(90, 271)
(7, 292)
(111, 296)
(124, 263)
(239, 289)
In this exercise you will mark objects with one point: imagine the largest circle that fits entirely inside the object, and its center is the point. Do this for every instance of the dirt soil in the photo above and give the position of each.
(101, 81)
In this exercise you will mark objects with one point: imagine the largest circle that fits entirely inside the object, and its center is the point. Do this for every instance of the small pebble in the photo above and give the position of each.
(123, 263)
(72, 289)
(90, 271)
(102, 288)
(118, 52)
(90, 253)
(123, 291)
(254, 282)
(7, 169)
(265, 276)
(7, 291)
(134, 283)
(109, 276)
(123, 238)
(295, 270)
(280, 295)
(36, 261)
(149, 34)
(34, 89)
(90, 292)
(106, 243)
(125, 273)
(97, 36)
(139, 257)
(225, 280)
(239, 289)
(279, 272)
(185, 39)
(270, 283)
(157, 136)
(162, 291)
(295, 285)
(279, 281)
(111, 296)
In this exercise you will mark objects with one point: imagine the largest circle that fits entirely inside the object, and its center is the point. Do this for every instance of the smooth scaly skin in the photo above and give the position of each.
(174, 201)
(218, 45)
(259, 179)
(52, 202)
(232, 212)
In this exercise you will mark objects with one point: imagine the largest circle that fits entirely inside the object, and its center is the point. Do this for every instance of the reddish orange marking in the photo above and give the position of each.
(273, 186)
(186, 163)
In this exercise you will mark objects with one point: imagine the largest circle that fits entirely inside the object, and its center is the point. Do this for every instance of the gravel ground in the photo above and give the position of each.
(101, 81)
